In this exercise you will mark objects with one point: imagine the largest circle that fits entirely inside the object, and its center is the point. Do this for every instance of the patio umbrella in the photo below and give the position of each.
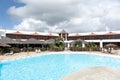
(110, 45)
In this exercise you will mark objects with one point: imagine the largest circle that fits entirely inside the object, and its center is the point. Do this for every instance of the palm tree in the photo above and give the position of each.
(91, 46)
(59, 44)
(78, 44)
(59, 41)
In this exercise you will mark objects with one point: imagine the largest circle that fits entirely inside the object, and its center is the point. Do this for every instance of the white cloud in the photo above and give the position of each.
(71, 15)
(30, 24)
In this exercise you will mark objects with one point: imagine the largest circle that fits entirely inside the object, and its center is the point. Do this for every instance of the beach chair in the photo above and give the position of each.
(36, 50)
(39, 50)
(10, 53)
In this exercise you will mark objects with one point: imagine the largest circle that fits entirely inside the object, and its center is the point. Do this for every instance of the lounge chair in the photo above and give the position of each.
(39, 50)
(36, 50)
(10, 53)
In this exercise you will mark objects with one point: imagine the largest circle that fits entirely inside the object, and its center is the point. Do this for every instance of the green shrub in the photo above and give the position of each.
(14, 49)
(43, 49)
(30, 49)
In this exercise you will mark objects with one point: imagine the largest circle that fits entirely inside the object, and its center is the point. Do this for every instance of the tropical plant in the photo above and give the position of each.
(58, 46)
(30, 48)
(43, 49)
(1, 51)
(14, 49)
(59, 41)
(78, 44)
(91, 46)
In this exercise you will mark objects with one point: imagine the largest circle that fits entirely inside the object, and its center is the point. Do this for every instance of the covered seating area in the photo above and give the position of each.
(17, 45)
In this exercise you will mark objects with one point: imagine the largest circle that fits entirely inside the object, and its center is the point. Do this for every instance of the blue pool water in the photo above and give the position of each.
(52, 66)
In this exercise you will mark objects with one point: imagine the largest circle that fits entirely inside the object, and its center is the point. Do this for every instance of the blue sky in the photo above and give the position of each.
(54, 15)
(5, 20)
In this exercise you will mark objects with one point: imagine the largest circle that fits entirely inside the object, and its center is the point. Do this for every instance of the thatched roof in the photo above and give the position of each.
(63, 32)
(50, 41)
(8, 40)
(33, 41)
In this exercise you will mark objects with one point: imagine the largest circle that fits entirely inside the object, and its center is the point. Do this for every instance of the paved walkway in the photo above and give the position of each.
(94, 73)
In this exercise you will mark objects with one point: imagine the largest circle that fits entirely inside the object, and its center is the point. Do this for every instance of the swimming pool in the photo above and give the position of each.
(52, 66)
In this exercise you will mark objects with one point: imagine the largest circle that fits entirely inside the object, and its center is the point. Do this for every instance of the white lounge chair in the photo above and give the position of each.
(39, 50)
(10, 53)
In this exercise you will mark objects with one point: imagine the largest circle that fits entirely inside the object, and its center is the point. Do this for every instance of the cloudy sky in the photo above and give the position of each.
(55, 15)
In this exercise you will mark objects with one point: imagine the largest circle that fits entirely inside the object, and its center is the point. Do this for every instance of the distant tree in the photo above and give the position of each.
(58, 46)
(91, 45)
(78, 44)
(59, 42)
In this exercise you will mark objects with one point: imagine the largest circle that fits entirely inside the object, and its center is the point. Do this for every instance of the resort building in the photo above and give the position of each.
(99, 38)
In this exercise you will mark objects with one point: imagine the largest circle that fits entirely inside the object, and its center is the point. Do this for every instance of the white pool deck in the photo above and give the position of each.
(27, 54)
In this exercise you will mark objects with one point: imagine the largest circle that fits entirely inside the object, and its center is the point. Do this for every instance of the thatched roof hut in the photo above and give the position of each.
(50, 41)
(32, 41)
(7, 40)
